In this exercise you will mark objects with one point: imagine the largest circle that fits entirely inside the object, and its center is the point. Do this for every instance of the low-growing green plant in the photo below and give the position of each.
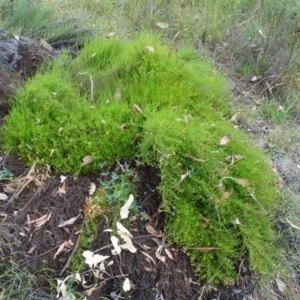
(119, 186)
(139, 99)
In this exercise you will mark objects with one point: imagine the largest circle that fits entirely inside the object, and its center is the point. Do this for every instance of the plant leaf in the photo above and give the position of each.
(86, 160)
(125, 208)
(126, 285)
(224, 140)
(3, 196)
(243, 182)
(115, 242)
(154, 232)
(162, 25)
(149, 256)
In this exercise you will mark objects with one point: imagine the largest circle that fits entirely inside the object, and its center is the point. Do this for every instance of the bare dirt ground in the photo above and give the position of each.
(33, 243)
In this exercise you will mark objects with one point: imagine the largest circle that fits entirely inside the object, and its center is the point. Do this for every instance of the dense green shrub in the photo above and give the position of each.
(140, 100)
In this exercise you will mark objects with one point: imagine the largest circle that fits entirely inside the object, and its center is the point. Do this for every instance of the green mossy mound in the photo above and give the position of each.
(140, 100)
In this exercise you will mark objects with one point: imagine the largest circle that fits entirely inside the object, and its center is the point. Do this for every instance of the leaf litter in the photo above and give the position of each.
(152, 258)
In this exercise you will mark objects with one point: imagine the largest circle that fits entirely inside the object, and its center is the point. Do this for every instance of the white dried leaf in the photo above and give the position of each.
(115, 242)
(117, 94)
(92, 188)
(154, 232)
(224, 140)
(126, 285)
(125, 208)
(162, 25)
(16, 36)
(160, 257)
(243, 182)
(292, 224)
(150, 48)
(90, 291)
(281, 285)
(182, 177)
(63, 178)
(123, 229)
(62, 289)
(86, 160)
(42, 222)
(128, 243)
(108, 230)
(3, 196)
(70, 221)
(169, 254)
(93, 259)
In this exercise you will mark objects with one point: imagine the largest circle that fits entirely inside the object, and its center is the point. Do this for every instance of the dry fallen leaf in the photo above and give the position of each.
(162, 25)
(205, 249)
(46, 45)
(243, 182)
(115, 242)
(62, 289)
(86, 160)
(70, 221)
(160, 257)
(125, 208)
(150, 48)
(227, 194)
(120, 227)
(294, 293)
(92, 188)
(205, 220)
(154, 232)
(3, 196)
(182, 177)
(9, 188)
(31, 249)
(16, 36)
(61, 247)
(196, 159)
(169, 254)
(90, 291)
(2, 294)
(92, 259)
(292, 224)
(117, 94)
(126, 285)
(62, 188)
(137, 108)
(149, 256)
(39, 223)
(281, 285)
(225, 140)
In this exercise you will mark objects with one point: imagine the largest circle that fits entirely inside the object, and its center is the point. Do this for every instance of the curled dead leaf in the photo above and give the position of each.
(169, 254)
(154, 232)
(205, 220)
(162, 25)
(137, 108)
(205, 249)
(227, 194)
(243, 182)
(3, 196)
(149, 256)
(30, 251)
(117, 94)
(86, 160)
(160, 257)
(224, 140)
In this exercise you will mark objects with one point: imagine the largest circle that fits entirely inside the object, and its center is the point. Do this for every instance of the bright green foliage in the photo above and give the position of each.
(138, 99)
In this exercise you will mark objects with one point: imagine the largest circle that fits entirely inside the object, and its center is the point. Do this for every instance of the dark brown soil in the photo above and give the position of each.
(32, 244)
(36, 246)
